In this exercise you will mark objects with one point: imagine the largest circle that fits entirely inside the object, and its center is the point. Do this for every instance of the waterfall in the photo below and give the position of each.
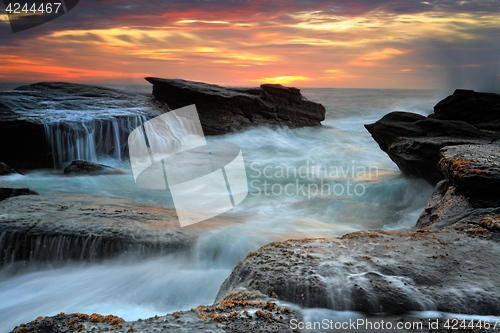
(88, 139)
(22, 246)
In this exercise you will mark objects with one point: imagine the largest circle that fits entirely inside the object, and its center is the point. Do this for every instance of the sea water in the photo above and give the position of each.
(307, 182)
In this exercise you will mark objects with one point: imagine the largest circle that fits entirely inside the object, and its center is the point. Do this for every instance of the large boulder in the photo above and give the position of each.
(378, 272)
(224, 109)
(47, 123)
(470, 106)
(78, 168)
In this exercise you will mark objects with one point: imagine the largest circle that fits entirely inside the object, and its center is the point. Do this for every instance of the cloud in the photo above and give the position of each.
(368, 42)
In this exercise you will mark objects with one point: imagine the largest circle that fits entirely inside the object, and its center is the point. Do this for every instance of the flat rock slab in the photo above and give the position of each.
(379, 272)
(86, 227)
(225, 109)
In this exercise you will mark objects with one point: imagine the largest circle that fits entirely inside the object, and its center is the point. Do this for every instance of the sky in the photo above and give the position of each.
(302, 43)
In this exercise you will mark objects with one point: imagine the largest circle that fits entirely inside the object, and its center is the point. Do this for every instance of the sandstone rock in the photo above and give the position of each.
(223, 110)
(475, 169)
(87, 227)
(79, 167)
(239, 312)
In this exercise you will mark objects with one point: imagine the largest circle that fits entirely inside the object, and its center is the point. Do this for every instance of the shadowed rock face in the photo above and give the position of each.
(469, 106)
(7, 170)
(223, 109)
(413, 141)
(79, 167)
(9, 192)
(470, 192)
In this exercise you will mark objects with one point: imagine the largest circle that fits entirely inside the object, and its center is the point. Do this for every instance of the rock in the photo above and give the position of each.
(420, 156)
(7, 170)
(379, 272)
(34, 117)
(223, 109)
(470, 192)
(87, 227)
(79, 167)
(475, 169)
(9, 192)
(450, 206)
(240, 312)
(470, 106)
(413, 141)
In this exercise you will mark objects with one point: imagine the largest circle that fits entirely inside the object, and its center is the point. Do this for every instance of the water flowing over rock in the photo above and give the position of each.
(378, 272)
(413, 141)
(224, 109)
(86, 227)
(79, 167)
(49, 124)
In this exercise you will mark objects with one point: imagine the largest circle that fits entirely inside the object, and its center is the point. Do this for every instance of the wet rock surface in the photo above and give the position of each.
(225, 109)
(86, 227)
(80, 167)
(379, 272)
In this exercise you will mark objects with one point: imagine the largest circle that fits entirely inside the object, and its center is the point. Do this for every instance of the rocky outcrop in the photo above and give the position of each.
(223, 109)
(79, 168)
(379, 272)
(470, 192)
(9, 192)
(34, 117)
(7, 170)
(87, 227)
(413, 141)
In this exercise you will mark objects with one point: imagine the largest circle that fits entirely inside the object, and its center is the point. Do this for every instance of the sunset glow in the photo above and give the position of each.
(316, 44)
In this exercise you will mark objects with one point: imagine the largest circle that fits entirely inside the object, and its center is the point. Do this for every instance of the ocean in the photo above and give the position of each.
(308, 182)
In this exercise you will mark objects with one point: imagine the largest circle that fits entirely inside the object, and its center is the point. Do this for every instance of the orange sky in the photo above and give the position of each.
(371, 44)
